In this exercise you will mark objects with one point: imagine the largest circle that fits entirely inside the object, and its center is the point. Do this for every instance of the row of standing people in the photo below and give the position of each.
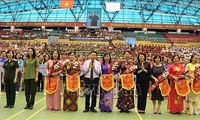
(20, 59)
(29, 76)
(92, 70)
(146, 75)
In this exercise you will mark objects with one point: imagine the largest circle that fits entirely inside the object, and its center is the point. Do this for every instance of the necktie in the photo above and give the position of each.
(91, 72)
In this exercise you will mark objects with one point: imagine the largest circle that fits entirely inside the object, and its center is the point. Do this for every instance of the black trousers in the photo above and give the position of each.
(142, 89)
(30, 91)
(40, 86)
(91, 87)
(10, 91)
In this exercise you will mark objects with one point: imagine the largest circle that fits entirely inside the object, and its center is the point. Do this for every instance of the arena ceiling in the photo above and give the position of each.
(186, 12)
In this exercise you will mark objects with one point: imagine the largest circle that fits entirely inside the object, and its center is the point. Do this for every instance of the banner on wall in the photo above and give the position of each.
(112, 6)
(93, 17)
(83, 38)
(52, 39)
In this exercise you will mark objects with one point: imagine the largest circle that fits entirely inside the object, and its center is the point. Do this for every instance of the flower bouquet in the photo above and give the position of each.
(51, 82)
(132, 68)
(114, 66)
(161, 78)
(56, 67)
(75, 65)
(185, 74)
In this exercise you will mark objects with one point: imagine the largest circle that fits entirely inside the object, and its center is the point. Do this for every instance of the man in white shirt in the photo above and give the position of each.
(92, 71)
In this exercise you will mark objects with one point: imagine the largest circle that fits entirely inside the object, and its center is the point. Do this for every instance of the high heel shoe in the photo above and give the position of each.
(154, 111)
(159, 112)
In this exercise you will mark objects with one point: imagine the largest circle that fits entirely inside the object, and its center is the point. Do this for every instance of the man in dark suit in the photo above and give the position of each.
(94, 18)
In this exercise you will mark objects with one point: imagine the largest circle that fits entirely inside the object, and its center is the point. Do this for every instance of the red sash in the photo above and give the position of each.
(195, 86)
(72, 82)
(51, 85)
(107, 81)
(127, 81)
(182, 87)
(164, 88)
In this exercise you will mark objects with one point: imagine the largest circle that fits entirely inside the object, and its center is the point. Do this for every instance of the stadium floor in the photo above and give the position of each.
(40, 113)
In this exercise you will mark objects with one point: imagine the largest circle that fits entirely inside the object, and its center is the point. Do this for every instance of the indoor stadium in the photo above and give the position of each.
(99, 59)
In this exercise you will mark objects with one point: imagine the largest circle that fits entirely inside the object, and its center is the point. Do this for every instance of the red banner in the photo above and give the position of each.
(164, 88)
(72, 82)
(156, 26)
(107, 82)
(182, 87)
(195, 86)
(103, 24)
(51, 85)
(43, 24)
(127, 81)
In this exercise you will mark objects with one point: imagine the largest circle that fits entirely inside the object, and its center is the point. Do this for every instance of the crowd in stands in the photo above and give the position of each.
(108, 34)
(62, 34)
(115, 50)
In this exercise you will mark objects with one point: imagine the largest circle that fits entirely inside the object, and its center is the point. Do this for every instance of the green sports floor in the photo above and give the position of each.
(39, 112)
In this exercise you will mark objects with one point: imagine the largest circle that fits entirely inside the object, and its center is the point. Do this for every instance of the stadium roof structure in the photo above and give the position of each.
(184, 12)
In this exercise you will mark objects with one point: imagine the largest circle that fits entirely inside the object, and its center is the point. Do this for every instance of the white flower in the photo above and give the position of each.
(165, 74)
(133, 67)
(75, 64)
(56, 66)
(115, 65)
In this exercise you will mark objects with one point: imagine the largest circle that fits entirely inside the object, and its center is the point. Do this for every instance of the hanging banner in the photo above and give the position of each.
(164, 88)
(72, 82)
(182, 87)
(127, 81)
(51, 84)
(52, 39)
(195, 86)
(107, 82)
(93, 17)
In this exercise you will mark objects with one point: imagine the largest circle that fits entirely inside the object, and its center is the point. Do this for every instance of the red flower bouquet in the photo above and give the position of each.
(185, 73)
(132, 68)
(75, 65)
(161, 78)
(56, 67)
(114, 66)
